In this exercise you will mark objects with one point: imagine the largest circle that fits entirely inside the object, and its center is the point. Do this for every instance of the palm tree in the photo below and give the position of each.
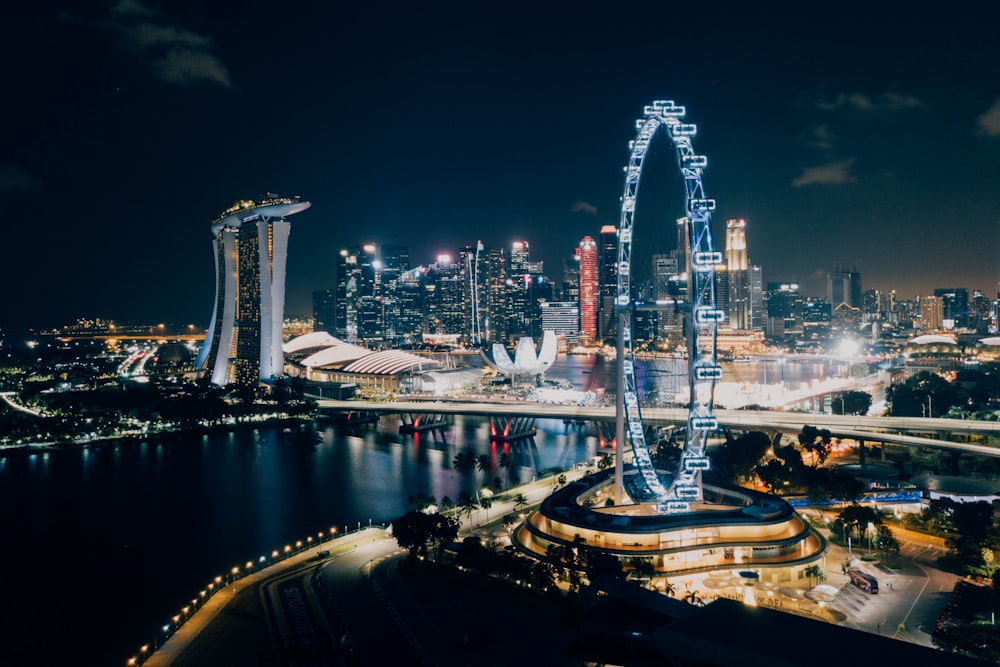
(520, 500)
(504, 462)
(692, 597)
(464, 461)
(669, 589)
(815, 572)
(483, 465)
(486, 502)
(466, 504)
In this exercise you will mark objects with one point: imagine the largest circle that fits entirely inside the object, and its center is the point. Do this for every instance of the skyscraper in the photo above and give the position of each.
(607, 280)
(588, 289)
(737, 265)
(358, 314)
(843, 286)
(250, 244)
(324, 307)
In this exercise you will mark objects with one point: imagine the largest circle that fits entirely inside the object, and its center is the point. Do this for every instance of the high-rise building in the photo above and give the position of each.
(562, 318)
(324, 309)
(495, 326)
(472, 260)
(359, 305)
(588, 289)
(955, 303)
(843, 286)
(394, 261)
(607, 267)
(410, 324)
(737, 267)
(784, 309)
(444, 297)
(755, 288)
(250, 244)
(931, 313)
(519, 285)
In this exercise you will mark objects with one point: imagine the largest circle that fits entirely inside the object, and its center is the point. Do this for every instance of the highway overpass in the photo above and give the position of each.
(889, 430)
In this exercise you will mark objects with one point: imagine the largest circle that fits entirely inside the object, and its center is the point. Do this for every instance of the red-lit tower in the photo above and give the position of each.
(588, 289)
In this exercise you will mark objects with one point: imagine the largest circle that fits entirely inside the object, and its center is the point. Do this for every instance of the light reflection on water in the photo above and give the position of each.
(136, 529)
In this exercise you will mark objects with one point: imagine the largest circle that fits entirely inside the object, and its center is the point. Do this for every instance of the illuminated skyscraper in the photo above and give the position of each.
(737, 265)
(250, 244)
(588, 289)
(607, 280)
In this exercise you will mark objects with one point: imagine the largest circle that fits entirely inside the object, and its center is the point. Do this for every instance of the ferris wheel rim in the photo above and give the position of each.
(701, 332)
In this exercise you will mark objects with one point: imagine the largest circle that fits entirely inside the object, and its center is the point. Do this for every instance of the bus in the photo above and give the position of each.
(865, 582)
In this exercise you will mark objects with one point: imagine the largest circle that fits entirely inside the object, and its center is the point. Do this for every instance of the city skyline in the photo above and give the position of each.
(834, 138)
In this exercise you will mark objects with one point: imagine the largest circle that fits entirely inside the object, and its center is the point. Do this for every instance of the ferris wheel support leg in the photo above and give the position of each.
(620, 409)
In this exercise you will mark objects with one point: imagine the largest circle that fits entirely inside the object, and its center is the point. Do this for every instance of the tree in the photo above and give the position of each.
(484, 465)
(464, 462)
(738, 457)
(815, 572)
(417, 532)
(486, 502)
(851, 403)
(466, 504)
(520, 500)
(692, 597)
(817, 442)
(774, 474)
(504, 463)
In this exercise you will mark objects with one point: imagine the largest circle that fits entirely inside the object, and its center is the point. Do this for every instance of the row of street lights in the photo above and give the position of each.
(218, 583)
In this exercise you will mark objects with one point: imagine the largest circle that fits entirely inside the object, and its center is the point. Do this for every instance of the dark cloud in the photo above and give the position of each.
(885, 102)
(14, 179)
(581, 206)
(988, 123)
(832, 173)
(175, 54)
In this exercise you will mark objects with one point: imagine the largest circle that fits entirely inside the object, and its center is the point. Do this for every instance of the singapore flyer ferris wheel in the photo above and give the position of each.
(702, 318)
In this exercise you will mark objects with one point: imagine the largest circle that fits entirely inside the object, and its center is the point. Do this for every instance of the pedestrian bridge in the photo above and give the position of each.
(910, 431)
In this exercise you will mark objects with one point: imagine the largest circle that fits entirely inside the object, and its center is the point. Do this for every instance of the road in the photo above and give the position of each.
(909, 599)
(870, 429)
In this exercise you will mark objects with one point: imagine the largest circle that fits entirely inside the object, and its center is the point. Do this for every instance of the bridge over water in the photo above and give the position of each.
(888, 430)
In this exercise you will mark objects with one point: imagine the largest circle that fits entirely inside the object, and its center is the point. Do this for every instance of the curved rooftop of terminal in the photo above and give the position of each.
(270, 206)
(321, 351)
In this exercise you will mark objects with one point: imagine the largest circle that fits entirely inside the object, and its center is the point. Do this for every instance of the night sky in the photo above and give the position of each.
(857, 136)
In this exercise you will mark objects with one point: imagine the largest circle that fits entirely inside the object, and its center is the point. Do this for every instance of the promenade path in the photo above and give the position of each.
(213, 608)
(233, 601)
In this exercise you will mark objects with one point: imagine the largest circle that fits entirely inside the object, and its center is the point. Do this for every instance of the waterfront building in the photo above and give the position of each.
(588, 287)
(734, 531)
(250, 245)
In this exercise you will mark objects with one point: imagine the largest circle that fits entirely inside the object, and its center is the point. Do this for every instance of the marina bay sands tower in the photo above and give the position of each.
(250, 243)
